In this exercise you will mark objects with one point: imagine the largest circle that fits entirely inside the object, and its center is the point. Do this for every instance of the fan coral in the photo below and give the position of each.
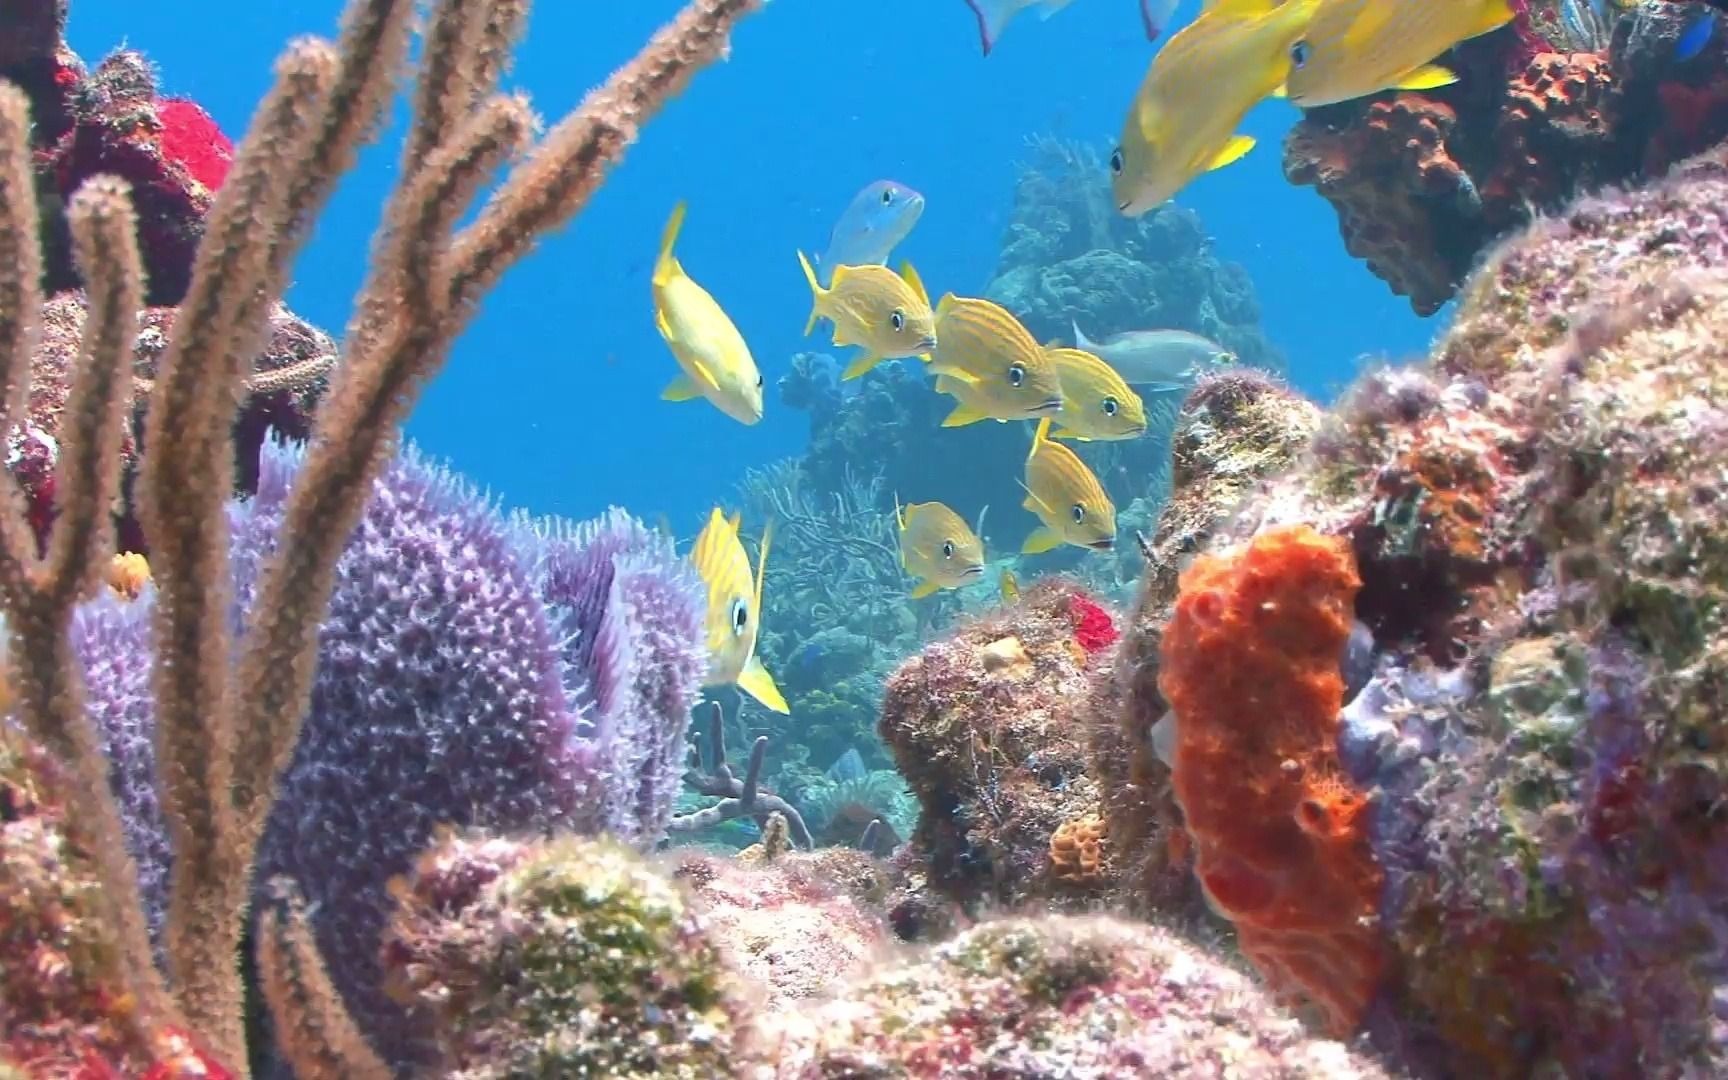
(1059, 996)
(563, 958)
(472, 671)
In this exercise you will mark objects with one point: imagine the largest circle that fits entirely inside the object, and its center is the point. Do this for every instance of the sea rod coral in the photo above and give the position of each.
(228, 707)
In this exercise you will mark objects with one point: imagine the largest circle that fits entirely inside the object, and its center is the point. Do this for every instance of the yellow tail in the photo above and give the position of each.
(666, 266)
(816, 294)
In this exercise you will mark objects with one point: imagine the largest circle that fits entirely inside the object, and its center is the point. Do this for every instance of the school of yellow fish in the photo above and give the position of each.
(1182, 123)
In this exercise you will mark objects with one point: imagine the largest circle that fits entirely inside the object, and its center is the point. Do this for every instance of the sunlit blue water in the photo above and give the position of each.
(552, 397)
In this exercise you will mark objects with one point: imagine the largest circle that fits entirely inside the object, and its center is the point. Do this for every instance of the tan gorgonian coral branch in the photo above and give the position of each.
(225, 732)
(314, 1033)
(39, 593)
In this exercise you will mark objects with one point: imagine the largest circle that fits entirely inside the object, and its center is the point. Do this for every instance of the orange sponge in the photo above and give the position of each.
(1250, 666)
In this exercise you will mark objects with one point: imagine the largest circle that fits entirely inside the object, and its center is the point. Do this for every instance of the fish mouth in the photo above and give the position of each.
(927, 344)
(1108, 543)
(972, 571)
(1048, 405)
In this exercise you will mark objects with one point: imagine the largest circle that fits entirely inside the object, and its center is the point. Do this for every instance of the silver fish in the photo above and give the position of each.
(876, 219)
(1157, 359)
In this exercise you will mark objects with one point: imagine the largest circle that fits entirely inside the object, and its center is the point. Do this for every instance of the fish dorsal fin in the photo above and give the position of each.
(910, 276)
(946, 305)
(734, 521)
(666, 266)
(761, 572)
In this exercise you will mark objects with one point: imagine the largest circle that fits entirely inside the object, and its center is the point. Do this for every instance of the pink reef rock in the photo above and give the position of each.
(1055, 997)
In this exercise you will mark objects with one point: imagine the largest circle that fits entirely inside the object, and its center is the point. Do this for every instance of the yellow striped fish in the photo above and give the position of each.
(1357, 47)
(1096, 403)
(991, 364)
(734, 609)
(872, 306)
(1067, 498)
(937, 547)
(1238, 51)
(717, 363)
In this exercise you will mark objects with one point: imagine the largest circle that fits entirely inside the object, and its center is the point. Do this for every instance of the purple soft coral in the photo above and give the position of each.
(473, 670)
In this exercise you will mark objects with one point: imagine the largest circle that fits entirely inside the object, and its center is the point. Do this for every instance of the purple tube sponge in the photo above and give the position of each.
(474, 671)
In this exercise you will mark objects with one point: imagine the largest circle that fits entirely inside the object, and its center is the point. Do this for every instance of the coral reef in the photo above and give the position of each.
(290, 374)
(784, 924)
(1236, 429)
(1423, 182)
(579, 654)
(564, 958)
(1058, 996)
(1535, 714)
(1251, 661)
(982, 726)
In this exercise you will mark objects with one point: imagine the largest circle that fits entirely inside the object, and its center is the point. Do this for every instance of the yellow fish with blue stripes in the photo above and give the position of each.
(717, 363)
(734, 609)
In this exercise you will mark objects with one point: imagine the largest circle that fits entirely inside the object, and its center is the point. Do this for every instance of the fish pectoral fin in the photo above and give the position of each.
(755, 681)
(1064, 433)
(1043, 539)
(923, 589)
(958, 374)
(1233, 151)
(864, 363)
(1282, 90)
(1426, 77)
(683, 388)
(962, 415)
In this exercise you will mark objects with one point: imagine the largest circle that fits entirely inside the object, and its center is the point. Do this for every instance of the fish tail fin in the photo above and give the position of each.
(992, 16)
(666, 266)
(816, 294)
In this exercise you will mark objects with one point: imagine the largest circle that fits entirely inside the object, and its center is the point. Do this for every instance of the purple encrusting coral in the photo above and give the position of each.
(474, 670)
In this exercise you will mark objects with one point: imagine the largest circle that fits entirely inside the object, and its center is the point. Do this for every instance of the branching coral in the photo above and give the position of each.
(739, 798)
(228, 708)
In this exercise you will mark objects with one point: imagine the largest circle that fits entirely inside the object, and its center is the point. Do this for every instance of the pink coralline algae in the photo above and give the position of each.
(1054, 997)
(473, 670)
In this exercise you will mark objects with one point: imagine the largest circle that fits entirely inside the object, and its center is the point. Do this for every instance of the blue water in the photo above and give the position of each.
(552, 399)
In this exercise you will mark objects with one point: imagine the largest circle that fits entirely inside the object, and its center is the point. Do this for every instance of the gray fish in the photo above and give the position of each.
(1157, 359)
(876, 219)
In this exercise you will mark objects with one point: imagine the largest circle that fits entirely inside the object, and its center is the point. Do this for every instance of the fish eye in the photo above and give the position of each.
(1016, 374)
(1116, 162)
(740, 616)
(887, 196)
(1299, 53)
(1078, 513)
(947, 549)
(897, 321)
(1110, 406)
